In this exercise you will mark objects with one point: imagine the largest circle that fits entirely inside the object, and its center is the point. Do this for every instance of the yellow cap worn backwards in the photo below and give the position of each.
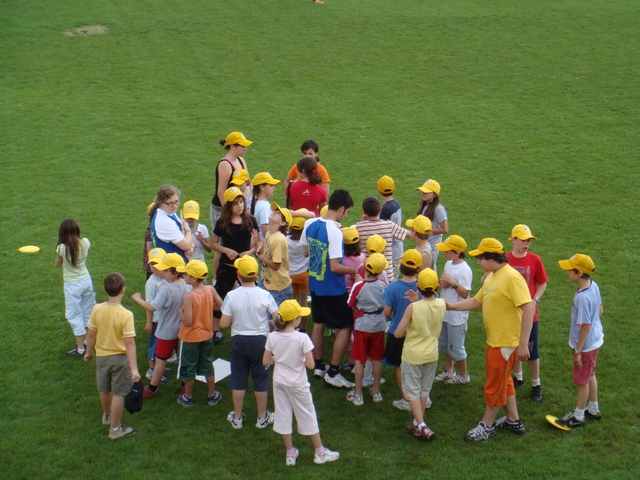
(291, 309)
(195, 268)
(191, 209)
(487, 245)
(375, 244)
(420, 224)
(580, 262)
(454, 242)
(247, 266)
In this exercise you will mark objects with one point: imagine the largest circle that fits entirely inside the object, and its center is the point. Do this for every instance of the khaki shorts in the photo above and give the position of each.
(113, 375)
(417, 380)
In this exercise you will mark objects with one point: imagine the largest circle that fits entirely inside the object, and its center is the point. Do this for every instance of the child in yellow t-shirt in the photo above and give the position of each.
(273, 253)
(111, 330)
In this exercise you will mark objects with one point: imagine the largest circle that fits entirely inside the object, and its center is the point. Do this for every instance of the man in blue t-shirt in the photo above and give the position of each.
(322, 243)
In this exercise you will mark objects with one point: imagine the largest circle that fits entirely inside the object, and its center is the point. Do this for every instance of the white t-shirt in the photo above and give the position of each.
(463, 276)
(262, 212)
(198, 253)
(298, 263)
(250, 308)
(166, 229)
(289, 350)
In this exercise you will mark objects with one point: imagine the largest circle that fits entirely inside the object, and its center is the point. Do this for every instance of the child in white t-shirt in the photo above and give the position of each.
(199, 232)
(290, 352)
(298, 262)
(264, 186)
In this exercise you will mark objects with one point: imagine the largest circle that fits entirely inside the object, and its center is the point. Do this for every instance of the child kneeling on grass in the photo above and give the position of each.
(585, 337)
(111, 330)
(248, 310)
(290, 352)
(421, 326)
(196, 333)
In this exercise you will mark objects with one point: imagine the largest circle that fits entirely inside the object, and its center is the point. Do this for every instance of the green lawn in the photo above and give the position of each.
(525, 112)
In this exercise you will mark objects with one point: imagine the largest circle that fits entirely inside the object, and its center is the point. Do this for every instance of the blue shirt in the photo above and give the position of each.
(394, 297)
(322, 281)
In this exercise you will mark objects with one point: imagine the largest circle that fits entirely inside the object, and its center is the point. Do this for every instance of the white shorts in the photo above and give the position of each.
(290, 401)
(79, 300)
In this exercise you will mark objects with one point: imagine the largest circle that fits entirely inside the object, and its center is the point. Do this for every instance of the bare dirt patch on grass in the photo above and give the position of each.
(87, 30)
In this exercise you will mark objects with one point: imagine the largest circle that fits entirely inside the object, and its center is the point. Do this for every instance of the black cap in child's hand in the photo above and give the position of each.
(133, 400)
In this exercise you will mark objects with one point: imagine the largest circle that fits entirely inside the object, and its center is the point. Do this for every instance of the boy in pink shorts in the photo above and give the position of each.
(585, 338)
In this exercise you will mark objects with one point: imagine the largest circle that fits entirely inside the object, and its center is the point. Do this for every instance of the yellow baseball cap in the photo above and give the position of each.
(230, 194)
(350, 235)
(487, 245)
(522, 232)
(150, 206)
(376, 263)
(427, 278)
(430, 186)
(195, 268)
(237, 138)
(247, 266)
(412, 258)
(298, 222)
(239, 176)
(170, 260)
(291, 309)
(324, 210)
(262, 178)
(375, 244)
(286, 214)
(580, 262)
(156, 255)
(420, 224)
(191, 209)
(386, 185)
(454, 242)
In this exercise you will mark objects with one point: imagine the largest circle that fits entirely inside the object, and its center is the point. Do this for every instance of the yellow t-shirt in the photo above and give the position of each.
(276, 249)
(113, 323)
(421, 340)
(501, 296)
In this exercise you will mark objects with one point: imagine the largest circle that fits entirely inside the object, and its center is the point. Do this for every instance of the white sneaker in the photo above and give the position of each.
(338, 381)
(458, 380)
(357, 400)
(444, 376)
(368, 382)
(402, 404)
(266, 421)
(377, 396)
(174, 358)
(428, 405)
(291, 459)
(319, 373)
(328, 456)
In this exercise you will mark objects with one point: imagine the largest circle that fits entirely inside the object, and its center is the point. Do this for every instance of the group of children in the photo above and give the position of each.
(268, 263)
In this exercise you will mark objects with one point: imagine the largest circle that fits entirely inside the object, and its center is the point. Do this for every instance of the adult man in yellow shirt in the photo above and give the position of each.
(507, 312)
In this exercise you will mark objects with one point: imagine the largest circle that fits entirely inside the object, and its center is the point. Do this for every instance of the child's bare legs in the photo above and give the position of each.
(587, 392)
(288, 442)
(211, 384)
(511, 409)
(105, 401)
(188, 387)
(80, 342)
(399, 380)
(593, 389)
(158, 372)
(261, 403)
(317, 337)
(359, 374)
(301, 295)
(462, 367)
(340, 345)
(315, 439)
(417, 409)
(117, 406)
(448, 364)
(152, 364)
(377, 375)
(238, 401)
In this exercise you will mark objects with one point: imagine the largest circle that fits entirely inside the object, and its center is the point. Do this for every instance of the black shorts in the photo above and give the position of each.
(393, 351)
(533, 342)
(246, 357)
(332, 311)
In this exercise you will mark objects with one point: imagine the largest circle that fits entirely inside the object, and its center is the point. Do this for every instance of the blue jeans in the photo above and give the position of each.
(281, 295)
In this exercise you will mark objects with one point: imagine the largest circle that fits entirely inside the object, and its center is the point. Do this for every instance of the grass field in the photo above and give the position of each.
(525, 112)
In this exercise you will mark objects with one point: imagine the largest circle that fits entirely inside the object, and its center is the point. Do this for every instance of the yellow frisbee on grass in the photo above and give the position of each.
(29, 249)
(552, 420)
